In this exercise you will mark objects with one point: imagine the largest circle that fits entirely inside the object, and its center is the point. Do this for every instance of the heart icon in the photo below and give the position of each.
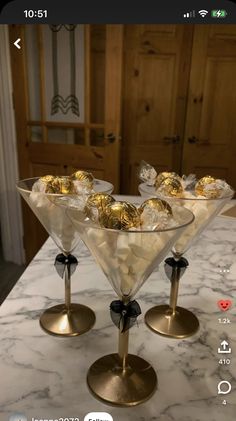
(224, 305)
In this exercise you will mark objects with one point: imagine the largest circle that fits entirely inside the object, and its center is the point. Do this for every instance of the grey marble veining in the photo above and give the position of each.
(45, 377)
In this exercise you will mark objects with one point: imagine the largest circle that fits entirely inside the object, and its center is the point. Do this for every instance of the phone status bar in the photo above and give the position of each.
(105, 11)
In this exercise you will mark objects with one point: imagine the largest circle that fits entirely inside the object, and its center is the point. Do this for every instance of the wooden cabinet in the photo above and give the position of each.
(210, 129)
(179, 100)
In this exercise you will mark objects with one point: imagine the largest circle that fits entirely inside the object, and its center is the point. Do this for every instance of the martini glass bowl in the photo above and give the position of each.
(172, 320)
(127, 258)
(67, 319)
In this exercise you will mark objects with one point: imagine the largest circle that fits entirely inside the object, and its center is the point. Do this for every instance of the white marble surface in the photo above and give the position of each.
(45, 377)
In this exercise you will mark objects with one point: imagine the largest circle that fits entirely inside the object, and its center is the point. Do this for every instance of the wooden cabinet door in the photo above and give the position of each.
(157, 67)
(210, 135)
(67, 98)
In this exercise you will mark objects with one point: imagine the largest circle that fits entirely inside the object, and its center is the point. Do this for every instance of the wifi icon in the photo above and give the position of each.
(203, 13)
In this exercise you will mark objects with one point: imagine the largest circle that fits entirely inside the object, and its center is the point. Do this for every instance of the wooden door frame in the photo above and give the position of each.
(107, 157)
(113, 103)
(20, 102)
(113, 90)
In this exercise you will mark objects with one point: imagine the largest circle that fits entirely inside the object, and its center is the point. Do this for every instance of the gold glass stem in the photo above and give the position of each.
(67, 287)
(175, 277)
(123, 347)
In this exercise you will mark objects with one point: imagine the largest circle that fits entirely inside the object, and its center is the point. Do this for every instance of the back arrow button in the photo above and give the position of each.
(16, 43)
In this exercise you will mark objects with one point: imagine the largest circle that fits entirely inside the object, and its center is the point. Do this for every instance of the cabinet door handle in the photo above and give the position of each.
(171, 139)
(111, 137)
(193, 139)
(202, 142)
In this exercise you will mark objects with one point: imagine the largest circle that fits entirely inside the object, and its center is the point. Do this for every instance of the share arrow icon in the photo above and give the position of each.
(224, 350)
(16, 43)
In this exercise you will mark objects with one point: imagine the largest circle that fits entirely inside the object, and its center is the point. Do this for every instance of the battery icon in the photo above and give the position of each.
(221, 13)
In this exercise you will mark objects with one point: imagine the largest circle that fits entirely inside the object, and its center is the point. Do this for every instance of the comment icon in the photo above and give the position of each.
(224, 387)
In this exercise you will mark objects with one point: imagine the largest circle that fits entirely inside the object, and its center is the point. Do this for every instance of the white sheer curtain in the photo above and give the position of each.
(10, 208)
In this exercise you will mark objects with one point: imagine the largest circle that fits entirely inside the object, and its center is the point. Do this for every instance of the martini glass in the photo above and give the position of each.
(172, 320)
(67, 319)
(127, 258)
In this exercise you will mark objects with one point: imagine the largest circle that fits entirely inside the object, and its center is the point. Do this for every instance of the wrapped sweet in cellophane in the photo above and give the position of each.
(48, 197)
(129, 241)
(204, 197)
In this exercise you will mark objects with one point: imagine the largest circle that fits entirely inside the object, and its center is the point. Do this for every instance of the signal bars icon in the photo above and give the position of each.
(189, 14)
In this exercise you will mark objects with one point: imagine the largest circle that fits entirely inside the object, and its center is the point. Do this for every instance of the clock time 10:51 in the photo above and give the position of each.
(36, 14)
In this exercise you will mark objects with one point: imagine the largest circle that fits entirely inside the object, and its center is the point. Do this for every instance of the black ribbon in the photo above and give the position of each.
(172, 265)
(62, 261)
(123, 315)
(180, 263)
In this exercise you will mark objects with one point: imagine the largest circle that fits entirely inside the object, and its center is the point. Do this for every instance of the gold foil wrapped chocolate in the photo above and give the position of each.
(47, 178)
(155, 214)
(59, 185)
(162, 175)
(155, 204)
(83, 176)
(47, 181)
(207, 187)
(97, 203)
(120, 216)
(171, 187)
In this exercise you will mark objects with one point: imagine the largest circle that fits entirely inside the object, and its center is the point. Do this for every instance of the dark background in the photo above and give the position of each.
(115, 11)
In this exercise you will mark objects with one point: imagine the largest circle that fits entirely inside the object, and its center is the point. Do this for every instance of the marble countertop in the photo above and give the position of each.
(45, 377)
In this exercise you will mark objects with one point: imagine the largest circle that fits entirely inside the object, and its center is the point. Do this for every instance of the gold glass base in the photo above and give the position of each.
(60, 321)
(181, 324)
(113, 385)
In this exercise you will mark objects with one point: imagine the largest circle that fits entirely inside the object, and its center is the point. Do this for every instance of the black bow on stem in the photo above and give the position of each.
(123, 315)
(62, 261)
(171, 264)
